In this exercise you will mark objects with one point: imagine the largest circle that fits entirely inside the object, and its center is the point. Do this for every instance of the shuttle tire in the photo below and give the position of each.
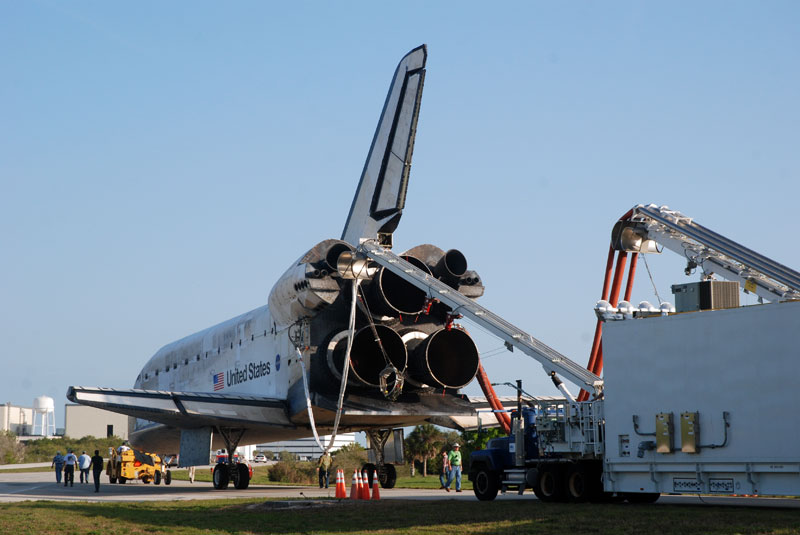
(242, 476)
(388, 476)
(221, 476)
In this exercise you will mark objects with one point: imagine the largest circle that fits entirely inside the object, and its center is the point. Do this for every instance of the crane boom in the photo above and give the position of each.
(551, 360)
(716, 253)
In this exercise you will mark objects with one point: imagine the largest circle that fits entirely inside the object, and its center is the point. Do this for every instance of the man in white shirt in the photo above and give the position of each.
(70, 462)
(83, 463)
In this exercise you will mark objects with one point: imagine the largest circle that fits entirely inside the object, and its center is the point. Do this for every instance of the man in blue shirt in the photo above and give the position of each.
(58, 463)
(83, 463)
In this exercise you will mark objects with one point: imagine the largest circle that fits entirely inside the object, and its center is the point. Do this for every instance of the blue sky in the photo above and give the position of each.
(161, 164)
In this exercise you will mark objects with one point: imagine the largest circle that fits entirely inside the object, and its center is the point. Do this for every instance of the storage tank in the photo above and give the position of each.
(44, 419)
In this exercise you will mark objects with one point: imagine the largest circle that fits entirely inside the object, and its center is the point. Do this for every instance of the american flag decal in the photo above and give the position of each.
(219, 381)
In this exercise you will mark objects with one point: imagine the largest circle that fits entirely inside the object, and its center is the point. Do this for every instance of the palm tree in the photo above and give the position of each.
(413, 450)
(430, 440)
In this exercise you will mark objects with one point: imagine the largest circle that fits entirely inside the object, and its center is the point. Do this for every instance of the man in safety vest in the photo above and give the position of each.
(455, 468)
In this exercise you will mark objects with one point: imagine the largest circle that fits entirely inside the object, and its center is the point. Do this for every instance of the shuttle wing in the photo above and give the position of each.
(381, 194)
(185, 409)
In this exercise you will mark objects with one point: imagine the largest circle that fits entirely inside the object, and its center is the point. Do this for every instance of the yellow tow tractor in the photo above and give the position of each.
(125, 463)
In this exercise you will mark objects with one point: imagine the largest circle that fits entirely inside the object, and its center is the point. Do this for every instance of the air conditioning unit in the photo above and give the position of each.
(706, 295)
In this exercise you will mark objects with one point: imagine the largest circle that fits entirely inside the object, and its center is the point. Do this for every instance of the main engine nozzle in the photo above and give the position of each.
(446, 357)
(367, 361)
(390, 294)
(451, 267)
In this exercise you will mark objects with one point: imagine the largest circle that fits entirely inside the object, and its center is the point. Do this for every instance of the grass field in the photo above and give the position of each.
(260, 478)
(388, 517)
(22, 470)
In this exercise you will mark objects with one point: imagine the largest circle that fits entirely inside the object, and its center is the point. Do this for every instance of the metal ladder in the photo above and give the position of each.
(550, 359)
(757, 273)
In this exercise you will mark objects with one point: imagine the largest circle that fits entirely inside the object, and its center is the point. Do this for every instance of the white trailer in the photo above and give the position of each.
(704, 402)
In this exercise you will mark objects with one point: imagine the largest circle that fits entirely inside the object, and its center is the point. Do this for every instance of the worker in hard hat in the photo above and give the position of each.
(455, 467)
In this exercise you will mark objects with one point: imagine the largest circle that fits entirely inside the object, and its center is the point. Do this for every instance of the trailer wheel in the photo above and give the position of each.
(243, 477)
(550, 484)
(580, 485)
(168, 478)
(157, 478)
(485, 485)
(112, 479)
(221, 476)
(122, 480)
(641, 497)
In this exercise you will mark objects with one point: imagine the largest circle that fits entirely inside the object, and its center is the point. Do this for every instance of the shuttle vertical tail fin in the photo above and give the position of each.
(381, 194)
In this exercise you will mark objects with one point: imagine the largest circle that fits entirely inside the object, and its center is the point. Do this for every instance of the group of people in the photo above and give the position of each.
(67, 464)
(451, 468)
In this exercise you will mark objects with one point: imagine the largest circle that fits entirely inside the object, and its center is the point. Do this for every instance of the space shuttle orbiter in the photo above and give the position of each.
(279, 372)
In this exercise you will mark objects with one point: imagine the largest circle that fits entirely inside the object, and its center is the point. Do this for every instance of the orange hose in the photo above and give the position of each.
(488, 390)
(595, 364)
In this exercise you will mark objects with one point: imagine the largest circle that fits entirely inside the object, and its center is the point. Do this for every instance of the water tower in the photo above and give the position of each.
(44, 417)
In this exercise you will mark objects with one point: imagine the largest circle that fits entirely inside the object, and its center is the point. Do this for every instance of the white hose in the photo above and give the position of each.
(345, 370)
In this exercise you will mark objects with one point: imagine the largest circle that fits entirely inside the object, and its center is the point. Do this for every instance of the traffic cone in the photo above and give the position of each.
(365, 486)
(355, 490)
(336, 488)
(362, 483)
(376, 494)
(341, 492)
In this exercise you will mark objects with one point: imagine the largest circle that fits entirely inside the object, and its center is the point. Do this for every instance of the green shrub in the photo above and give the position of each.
(349, 458)
(304, 473)
(43, 450)
(11, 451)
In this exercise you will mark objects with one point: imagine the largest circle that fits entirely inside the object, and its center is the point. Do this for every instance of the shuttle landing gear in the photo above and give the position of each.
(387, 475)
(229, 471)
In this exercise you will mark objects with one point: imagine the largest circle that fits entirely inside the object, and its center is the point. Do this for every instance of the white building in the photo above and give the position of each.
(18, 420)
(307, 448)
(82, 420)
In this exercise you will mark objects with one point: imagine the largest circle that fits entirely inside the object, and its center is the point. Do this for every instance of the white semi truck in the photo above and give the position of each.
(702, 399)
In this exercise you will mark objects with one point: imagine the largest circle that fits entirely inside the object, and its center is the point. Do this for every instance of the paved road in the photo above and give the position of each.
(36, 486)
(42, 486)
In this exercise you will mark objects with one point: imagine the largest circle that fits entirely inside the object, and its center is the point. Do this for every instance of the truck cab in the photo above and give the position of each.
(555, 449)
(498, 466)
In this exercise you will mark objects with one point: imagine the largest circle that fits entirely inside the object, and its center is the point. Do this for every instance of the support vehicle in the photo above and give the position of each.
(127, 464)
